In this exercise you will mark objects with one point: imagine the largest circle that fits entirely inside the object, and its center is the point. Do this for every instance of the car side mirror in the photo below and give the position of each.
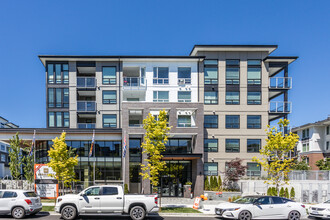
(256, 203)
(82, 194)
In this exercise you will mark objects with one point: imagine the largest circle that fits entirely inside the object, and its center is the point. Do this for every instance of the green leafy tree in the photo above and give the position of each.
(323, 164)
(155, 138)
(277, 160)
(292, 193)
(28, 167)
(206, 183)
(62, 161)
(286, 193)
(269, 191)
(274, 191)
(219, 182)
(216, 185)
(301, 165)
(16, 158)
(282, 193)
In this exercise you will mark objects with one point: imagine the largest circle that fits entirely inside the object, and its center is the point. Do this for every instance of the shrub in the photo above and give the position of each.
(216, 185)
(282, 193)
(219, 182)
(207, 183)
(274, 191)
(292, 193)
(286, 193)
(270, 191)
(126, 189)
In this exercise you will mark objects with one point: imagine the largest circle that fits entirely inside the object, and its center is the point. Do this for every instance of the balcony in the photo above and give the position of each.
(86, 82)
(134, 83)
(280, 83)
(86, 106)
(86, 125)
(280, 107)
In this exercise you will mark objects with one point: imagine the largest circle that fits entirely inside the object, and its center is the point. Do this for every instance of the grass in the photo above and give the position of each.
(47, 208)
(179, 210)
(48, 200)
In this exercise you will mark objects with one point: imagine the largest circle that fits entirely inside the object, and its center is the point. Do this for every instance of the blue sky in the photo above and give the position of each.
(172, 27)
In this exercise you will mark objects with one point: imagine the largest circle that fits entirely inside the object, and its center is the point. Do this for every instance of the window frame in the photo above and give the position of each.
(216, 100)
(253, 127)
(157, 99)
(231, 127)
(63, 80)
(254, 101)
(254, 66)
(230, 101)
(247, 146)
(206, 149)
(212, 81)
(211, 174)
(64, 116)
(62, 103)
(184, 100)
(247, 167)
(155, 79)
(109, 123)
(109, 79)
(110, 103)
(217, 122)
(231, 139)
(233, 66)
(187, 81)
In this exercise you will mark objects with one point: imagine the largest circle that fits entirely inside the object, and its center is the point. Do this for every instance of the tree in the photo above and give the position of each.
(286, 193)
(215, 184)
(234, 171)
(301, 165)
(274, 191)
(206, 183)
(155, 138)
(292, 193)
(219, 182)
(15, 156)
(277, 160)
(269, 191)
(62, 161)
(28, 167)
(323, 164)
(282, 193)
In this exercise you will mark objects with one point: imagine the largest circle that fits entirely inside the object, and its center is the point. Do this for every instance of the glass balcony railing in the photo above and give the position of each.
(280, 83)
(86, 125)
(280, 107)
(86, 106)
(134, 82)
(86, 82)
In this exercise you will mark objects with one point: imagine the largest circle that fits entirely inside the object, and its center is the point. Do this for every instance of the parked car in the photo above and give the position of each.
(261, 207)
(106, 200)
(19, 203)
(321, 210)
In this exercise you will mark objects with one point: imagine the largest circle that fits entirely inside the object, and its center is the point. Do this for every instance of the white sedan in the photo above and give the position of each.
(261, 207)
(321, 210)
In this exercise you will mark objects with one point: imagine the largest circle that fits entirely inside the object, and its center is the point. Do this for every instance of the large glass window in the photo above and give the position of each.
(51, 119)
(210, 71)
(253, 169)
(51, 100)
(135, 156)
(210, 169)
(160, 96)
(184, 75)
(232, 121)
(210, 97)
(254, 98)
(210, 121)
(232, 146)
(58, 119)
(232, 72)
(160, 75)
(254, 72)
(253, 145)
(58, 97)
(66, 119)
(210, 145)
(109, 75)
(58, 73)
(232, 98)
(178, 146)
(254, 121)
(184, 120)
(109, 121)
(109, 97)
(184, 96)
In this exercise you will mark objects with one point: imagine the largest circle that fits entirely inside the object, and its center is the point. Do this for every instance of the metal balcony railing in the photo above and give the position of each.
(160, 80)
(86, 125)
(86, 106)
(86, 82)
(134, 82)
(280, 107)
(184, 125)
(136, 125)
(184, 81)
(280, 83)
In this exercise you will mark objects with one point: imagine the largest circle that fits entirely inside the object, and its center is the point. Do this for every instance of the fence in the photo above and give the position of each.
(309, 175)
(16, 184)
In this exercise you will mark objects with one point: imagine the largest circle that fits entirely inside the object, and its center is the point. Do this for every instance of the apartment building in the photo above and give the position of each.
(219, 100)
(314, 141)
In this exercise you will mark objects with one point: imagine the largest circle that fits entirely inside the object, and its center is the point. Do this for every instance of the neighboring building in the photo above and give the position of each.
(4, 123)
(219, 100)
(314, 141)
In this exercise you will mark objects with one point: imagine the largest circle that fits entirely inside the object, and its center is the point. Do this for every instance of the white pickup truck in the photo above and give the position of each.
(106, 200)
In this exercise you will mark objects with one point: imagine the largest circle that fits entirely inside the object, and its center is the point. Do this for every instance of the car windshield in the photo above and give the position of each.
(246, 200)
(30, 194)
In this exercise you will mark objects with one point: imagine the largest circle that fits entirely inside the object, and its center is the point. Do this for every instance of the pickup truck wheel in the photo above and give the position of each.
(137, 213)
(69, 212)
(18, 212)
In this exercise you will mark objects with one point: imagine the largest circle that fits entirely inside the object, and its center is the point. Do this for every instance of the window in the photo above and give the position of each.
(264, 201)
(109, 97)
(58, 119)
(305, 133)
(3, 147)
(211, 169)
(95, 191)
(253, 145)
(328, 129)
(8, 194)
(278, 200)
(184, 75)
(232, 98)
(254, 98)
(232, 121)
(253, 169)
(254, 72)
(108, 191)
(51, 119)
(327, 145)
(58, 98)
(232, 146)
(184, 120)
(58, 73)
(210, 71)
(3, 157)
(160, 75)
(232, 72)
(210, 121)
(184, 96)
(254, 121)
(109, 75)
(109, 121)
(210, 97)
(210, 145)
(160, 96)
(306, 147)
(178, 146)
(30, 194)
